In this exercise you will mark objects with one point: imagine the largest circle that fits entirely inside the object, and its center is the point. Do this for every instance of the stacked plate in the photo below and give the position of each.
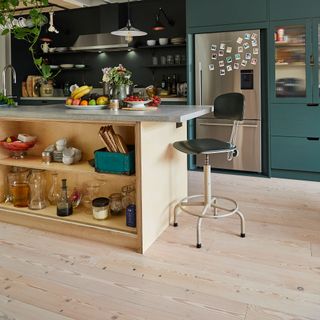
(66, 66)
(178, 40)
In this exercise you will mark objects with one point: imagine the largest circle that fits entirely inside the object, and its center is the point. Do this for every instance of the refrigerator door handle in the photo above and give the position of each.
(209, 124)
(200, 83)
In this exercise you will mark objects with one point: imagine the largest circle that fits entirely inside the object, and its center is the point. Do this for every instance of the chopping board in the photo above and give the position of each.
(30, 83)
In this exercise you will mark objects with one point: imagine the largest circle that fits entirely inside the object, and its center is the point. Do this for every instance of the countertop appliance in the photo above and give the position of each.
(230, 62)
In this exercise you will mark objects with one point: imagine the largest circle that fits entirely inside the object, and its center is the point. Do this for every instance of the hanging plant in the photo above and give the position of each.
(29, 33)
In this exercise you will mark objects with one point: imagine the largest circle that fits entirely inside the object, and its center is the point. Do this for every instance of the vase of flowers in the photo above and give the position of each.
(116, 80)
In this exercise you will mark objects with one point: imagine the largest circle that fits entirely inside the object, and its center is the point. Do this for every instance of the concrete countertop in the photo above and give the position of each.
(163, 99)
(61, 113)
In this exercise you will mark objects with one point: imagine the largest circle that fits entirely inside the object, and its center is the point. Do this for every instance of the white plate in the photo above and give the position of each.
(96, 107)
(52, 66)
(66, 66)
(138, 104)
(80, 66)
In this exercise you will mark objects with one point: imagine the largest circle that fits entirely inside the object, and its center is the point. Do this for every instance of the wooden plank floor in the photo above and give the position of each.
(272, 274)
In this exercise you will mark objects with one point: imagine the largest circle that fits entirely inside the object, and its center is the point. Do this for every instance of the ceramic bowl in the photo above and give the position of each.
(163, 41)
(68, 160)
(151, 43)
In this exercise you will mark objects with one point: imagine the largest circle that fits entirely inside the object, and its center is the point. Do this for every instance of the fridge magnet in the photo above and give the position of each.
(229, 68)
(247, 36)
(213, 47)
(236, 66)
(221, 53)
(237, 56)
(255, 50)
(239, 40)
(222, 46)
(240, 49)
(211, 67)
(221, 63)
(222, 72)
(248, 56)
(254, 43)
(229, 49)
(254, 36)
(229, 59)
(244, 63)
(214, 56)
(254, 61)
(246, 45)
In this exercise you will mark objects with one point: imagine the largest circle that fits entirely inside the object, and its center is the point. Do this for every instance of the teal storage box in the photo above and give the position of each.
(113, 162)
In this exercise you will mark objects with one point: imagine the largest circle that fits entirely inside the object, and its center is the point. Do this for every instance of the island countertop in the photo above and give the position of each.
(59, 112)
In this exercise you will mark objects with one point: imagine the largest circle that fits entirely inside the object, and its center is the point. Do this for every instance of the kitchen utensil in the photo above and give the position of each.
(79, 107)
(138, 104)
(18, 149)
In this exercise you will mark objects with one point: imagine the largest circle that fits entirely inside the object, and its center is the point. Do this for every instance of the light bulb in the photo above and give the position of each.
(128, 37)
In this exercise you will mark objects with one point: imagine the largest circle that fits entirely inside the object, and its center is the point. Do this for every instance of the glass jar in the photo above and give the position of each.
(37, 190)
(19, 190)
(128, 195)
(170, 59)
(91, 191)
(100, 208)
(115, 204)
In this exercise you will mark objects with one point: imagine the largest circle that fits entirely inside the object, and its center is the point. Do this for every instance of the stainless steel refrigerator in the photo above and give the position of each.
(230, 62)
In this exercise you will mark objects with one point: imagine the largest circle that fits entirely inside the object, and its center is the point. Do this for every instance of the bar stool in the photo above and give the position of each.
(227, 106)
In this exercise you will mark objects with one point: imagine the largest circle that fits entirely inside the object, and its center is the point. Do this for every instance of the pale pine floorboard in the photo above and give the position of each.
(272, 274)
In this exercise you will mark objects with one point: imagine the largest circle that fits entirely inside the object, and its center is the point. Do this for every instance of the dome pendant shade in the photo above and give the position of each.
(129, 31)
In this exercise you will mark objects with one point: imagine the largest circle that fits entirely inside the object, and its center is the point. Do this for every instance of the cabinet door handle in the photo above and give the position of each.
(311, 60)
(312, 104)
(313, 138)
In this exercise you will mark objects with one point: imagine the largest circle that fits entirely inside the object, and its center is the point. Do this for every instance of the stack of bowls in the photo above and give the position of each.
(178, 40)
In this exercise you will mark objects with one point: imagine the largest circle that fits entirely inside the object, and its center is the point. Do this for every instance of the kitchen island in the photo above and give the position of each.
(160, 176)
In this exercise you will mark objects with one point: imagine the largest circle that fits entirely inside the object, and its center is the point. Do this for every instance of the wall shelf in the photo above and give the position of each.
(162, 47)
(166, 66)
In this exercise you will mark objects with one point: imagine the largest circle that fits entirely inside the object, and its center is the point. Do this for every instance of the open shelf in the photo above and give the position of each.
(35, 162)
(161, 47)
(166, 66)
(81, 216)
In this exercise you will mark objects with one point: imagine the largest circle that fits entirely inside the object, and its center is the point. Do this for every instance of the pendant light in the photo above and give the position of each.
(129, 31)
(158, 26)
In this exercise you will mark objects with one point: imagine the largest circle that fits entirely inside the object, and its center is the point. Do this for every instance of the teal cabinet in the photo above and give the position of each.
(214, 12)
(295, 153)
(293, 9)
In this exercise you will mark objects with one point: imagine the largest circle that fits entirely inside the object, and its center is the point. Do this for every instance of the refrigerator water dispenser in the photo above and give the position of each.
(247, 80)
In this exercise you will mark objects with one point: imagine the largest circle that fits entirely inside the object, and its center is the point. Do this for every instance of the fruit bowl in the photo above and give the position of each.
(17, 149)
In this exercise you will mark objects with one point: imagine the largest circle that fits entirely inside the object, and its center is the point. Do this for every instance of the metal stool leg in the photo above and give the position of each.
(243, 224)
(199, 232)
(175, 223)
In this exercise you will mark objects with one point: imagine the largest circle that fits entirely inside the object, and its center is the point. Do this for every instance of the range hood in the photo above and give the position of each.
(100, 42)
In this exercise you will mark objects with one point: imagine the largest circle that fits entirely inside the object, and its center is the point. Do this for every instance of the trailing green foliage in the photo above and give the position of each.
(31, 34)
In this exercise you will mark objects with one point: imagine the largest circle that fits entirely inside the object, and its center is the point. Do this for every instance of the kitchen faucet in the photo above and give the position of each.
(14, 77)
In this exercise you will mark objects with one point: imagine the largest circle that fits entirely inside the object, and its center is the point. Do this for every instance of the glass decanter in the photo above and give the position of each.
(54, 191)
(37, 190)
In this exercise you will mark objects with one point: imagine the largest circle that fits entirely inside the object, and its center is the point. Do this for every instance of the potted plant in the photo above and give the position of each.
(118, 81)
(28, 31)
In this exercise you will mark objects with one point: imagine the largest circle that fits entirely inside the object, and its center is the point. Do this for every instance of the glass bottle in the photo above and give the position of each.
(54, 191)
(37, 190)
(164, 83)
(174, 85)
(128, 195)
(169, 85)
(64, 206)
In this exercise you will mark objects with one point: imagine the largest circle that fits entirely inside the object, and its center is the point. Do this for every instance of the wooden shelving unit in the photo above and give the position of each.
(81, 216)
(35, 162)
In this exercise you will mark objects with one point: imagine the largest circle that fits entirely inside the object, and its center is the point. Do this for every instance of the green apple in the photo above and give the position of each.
(92, 102)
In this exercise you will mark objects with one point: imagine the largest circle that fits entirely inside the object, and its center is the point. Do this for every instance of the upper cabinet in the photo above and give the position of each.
(293, 9)
(294, 57)
(211, 13)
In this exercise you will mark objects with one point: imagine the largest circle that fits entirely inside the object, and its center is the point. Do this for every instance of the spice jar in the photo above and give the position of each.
(115, 204)
(100, 208)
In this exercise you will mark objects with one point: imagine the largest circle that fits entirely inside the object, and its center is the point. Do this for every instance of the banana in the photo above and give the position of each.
(82, 93)
(79, 90)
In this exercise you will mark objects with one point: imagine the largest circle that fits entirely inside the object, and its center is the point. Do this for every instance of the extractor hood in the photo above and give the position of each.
(100, 42)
